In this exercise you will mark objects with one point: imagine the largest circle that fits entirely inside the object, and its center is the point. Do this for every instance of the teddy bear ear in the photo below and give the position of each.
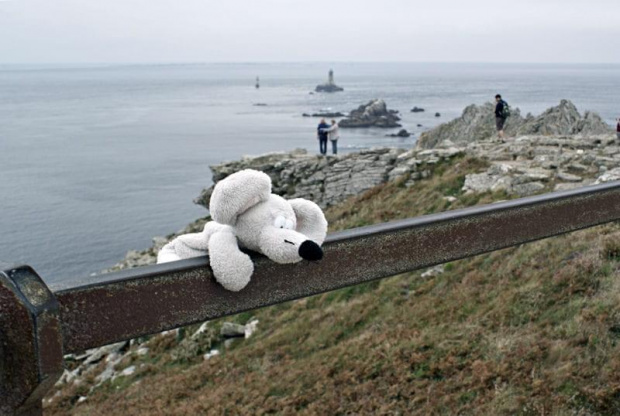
(237, 193)
(311, 221)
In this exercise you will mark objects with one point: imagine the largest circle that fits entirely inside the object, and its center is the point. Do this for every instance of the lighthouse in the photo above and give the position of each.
(330, 85)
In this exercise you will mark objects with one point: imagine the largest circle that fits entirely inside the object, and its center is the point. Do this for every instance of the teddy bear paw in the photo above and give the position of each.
(236, 274)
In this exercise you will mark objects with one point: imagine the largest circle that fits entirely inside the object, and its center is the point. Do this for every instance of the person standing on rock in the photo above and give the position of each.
(618, 130)
(322, 136)
(333, 134)
(501, 114)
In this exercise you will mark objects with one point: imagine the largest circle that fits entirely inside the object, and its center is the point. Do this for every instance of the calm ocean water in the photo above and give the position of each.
(95, 161)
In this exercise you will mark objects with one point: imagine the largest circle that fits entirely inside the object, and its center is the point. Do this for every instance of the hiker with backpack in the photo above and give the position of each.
(502, 112)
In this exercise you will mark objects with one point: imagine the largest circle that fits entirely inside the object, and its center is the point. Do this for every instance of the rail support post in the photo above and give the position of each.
(31, 358)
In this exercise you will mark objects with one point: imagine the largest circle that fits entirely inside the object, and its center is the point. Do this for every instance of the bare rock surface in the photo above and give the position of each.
(526, 165)
(329, 180)
(478, 123)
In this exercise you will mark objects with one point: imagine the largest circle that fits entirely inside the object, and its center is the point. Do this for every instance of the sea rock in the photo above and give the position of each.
(372, 114)
(401, 133)
(328, 88)
(417, 110)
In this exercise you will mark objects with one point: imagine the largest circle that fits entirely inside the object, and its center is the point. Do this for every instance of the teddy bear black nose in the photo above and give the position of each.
(309, 250)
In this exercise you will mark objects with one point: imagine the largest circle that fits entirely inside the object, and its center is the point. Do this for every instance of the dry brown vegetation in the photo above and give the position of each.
(530, 330)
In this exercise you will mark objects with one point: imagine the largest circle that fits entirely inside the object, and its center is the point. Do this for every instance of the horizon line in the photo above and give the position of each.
(301, 62)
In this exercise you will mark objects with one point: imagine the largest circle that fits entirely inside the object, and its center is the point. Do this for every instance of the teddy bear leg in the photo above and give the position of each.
(231, 267)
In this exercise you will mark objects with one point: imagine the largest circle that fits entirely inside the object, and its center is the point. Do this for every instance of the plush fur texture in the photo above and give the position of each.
(246, 214)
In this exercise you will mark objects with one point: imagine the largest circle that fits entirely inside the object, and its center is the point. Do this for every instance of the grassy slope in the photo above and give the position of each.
(527, 330)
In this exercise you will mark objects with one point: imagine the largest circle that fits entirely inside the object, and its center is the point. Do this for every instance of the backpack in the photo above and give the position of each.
(505, 110)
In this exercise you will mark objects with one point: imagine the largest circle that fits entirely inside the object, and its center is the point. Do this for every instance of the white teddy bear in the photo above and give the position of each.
(247, 215)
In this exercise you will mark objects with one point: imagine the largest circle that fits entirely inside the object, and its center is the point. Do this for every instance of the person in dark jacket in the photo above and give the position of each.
(321, 132)
(500, 118)
(618, 130)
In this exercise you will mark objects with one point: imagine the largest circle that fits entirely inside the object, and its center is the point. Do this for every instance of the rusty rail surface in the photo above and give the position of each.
(38, 324)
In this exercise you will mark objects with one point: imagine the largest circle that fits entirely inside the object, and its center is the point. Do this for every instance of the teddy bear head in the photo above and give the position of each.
(286, 231)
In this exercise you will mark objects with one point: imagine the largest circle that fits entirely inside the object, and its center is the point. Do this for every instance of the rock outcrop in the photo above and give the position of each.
(97, 366)
(530, 164)
(372, 114)
(478, 123)
(401, 133)
(564, 120)
(325, 181)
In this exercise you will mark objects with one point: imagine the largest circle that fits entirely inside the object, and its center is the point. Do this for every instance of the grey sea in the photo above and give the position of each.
(96, 160)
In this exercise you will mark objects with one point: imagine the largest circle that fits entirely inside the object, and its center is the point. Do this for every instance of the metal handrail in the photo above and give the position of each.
(88, 312)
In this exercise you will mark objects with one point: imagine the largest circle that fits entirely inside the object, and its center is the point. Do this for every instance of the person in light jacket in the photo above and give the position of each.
(333, 134)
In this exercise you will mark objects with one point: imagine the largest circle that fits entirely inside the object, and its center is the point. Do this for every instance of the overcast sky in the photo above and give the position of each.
(111, 31)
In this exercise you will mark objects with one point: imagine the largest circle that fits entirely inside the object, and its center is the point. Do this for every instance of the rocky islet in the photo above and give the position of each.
(372, 114)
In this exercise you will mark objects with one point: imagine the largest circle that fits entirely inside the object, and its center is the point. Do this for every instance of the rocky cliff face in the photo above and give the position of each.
(328, 180)
(521, 166)
(478, 123)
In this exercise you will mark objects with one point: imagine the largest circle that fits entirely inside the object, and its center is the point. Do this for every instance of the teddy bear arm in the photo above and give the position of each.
(167, 254)
(231, 267)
